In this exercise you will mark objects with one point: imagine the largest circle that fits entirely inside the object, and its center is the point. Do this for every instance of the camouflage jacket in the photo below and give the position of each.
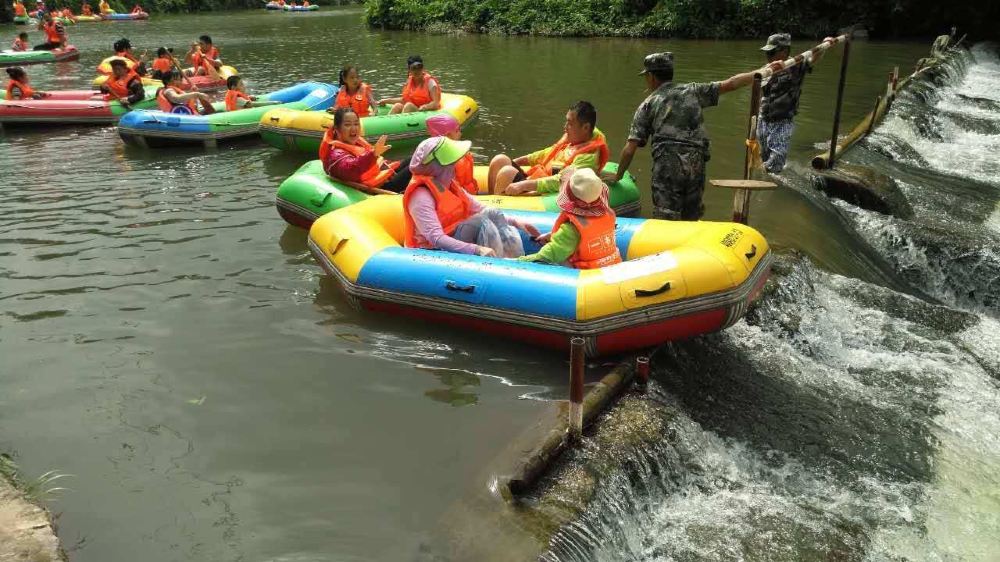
(781, 92)
(672, 115)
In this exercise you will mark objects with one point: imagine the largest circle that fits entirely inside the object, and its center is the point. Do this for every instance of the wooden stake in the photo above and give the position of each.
(840, 103)
(577, 361)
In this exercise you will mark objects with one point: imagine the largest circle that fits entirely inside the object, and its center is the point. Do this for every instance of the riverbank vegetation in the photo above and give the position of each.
(164, 6)
(686, 18)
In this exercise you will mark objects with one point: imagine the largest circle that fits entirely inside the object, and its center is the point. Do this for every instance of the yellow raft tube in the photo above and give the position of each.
(677, 280)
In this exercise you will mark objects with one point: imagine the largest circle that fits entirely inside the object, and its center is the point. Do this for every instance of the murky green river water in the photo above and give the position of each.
(167, 340)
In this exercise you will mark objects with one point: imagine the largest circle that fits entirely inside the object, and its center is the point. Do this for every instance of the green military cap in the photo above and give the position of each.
(777, 41)
(658, 62)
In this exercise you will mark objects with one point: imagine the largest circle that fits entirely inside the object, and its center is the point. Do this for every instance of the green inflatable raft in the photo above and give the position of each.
(302, 131)
(309, 194)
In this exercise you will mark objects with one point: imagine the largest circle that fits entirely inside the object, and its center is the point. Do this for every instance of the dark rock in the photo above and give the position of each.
(864, 187)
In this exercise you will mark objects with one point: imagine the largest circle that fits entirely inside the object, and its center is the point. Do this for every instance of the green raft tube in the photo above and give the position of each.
(156, 128)
(302, 131)
(309, 194)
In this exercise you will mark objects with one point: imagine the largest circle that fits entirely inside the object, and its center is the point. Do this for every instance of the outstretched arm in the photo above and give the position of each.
(735, 82)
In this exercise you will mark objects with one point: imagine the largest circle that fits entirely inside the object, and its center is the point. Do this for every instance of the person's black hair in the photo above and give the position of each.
(412, 59)
(118, 62)
(162, 51)
(16, 73)
(22, 35)
(585, 113)
(663, 75)
(233, 81)
(338, 116)
(205, 39)
(168, 77)
(342, 78)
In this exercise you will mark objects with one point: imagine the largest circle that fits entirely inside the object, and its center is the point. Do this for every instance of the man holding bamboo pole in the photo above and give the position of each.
(672, 117)
(780, 99)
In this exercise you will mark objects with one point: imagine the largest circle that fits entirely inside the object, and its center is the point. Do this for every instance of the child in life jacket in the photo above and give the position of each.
(235, 92)
(20, 42)
(583, 236)
(163, 63)
(17, 86)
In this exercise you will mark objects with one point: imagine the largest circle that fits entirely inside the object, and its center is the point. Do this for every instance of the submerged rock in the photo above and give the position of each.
(864, 187)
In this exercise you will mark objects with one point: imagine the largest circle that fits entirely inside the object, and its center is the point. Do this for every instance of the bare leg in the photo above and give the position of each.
(410, 108)
(496, 164)
(504, 178)
(397, 108)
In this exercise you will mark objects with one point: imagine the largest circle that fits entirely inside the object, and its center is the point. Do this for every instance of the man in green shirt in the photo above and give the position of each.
(582, 145)
(672, 116)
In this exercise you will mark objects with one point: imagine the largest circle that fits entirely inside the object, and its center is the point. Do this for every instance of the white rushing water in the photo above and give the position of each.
(842, 420)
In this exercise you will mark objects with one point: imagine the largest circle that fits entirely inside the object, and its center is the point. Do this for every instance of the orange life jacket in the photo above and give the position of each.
(137, 9)
(52, 33)
(597, 246)
(418, 95)
(451, 204)
(562, 151)
(26, 91)
(168, 106)
(19, 45)
(162, 64)
(199, 59)
(120, 87)
(359, 102)
(376, 175)
(464, 174)
(19, 9)
(232, 96)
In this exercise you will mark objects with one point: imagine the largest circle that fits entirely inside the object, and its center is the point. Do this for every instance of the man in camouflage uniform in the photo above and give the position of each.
(780, 101)
(672, 116)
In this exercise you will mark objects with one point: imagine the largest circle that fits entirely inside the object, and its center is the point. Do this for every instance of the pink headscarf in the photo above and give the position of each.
(441, 124)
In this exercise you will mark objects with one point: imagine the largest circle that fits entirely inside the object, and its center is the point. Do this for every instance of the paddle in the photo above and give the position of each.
(177, 65)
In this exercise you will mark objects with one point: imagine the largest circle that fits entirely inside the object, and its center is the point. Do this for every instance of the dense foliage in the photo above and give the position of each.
(157, 6)
(688, 18)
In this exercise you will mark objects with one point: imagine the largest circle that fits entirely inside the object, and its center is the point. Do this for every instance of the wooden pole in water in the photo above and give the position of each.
(577, 361)
(642, 372)
(741, 198)
(840, 102)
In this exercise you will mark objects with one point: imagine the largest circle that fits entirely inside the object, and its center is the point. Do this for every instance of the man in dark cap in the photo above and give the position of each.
(672, 116)
(780, 101)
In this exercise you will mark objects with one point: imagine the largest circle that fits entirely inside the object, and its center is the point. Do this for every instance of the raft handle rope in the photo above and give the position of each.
(453, 286)
(653, 292)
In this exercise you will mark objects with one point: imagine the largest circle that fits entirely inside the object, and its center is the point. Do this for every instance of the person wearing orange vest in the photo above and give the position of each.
(19, 9)
(445, 125)
(582, 145)
(583, 235)
(347, 156)
(104, 7)
(123, 49)
(17, 86)
(354, 93)
(438, 214)
(204, 58)
(124, 84)
(20, 42)
(55, 33)
(172, 99)
(163, 63)
(235, 92)
(137, 9)
(67, 13)
(421, 92)
(86, 10)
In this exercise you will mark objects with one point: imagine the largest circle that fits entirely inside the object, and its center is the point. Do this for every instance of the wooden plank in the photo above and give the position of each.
(752, 185)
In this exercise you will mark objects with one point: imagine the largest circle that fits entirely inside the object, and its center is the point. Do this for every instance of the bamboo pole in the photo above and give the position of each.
(840, 104)
(741, 197)
(772, 68)
(577, 362)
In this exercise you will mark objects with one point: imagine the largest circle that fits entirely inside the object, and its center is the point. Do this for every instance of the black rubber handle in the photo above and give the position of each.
(413, 124)
(752, 252)
(452, 286)
(653, 292)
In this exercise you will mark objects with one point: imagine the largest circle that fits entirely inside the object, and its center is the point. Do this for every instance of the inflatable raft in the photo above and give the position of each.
(152, 128)
(125, 17)
(678, 280)
(303, 130)
(290, 8)
(83, 19)
(76, 110)
(203, 83)
(21, 58)
(21, 20)
(309, 194)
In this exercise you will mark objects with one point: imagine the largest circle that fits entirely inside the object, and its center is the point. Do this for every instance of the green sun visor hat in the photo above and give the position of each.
(448, 151)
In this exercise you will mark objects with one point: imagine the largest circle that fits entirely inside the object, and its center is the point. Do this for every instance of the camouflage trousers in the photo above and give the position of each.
(678, 182)
(774, 138)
